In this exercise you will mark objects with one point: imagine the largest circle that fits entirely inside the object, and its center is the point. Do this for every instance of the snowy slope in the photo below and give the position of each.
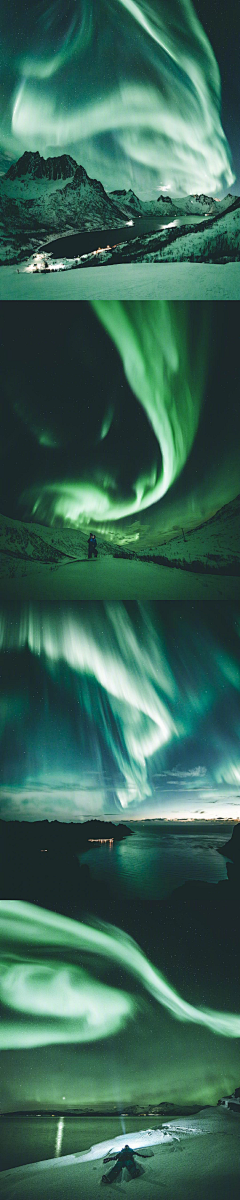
(188, 205)
(217, 240)
(32, 542)
(135, 207)
(82, 203)
(192, 1158)
(213, 545)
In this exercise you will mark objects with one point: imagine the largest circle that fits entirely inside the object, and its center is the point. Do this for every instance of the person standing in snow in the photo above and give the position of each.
(92, 546)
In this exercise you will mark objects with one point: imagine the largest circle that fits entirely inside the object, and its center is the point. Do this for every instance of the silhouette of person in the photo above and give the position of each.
(92, 546)
(124, 1158)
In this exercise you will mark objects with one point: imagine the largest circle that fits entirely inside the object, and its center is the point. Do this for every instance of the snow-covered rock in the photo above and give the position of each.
(83, 203)
(212, 545)
(193, 205)
(141, 208)
(32, 165)
(31, 541)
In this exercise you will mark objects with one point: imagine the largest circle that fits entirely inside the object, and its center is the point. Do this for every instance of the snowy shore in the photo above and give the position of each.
(192, 1157)
(145, 281)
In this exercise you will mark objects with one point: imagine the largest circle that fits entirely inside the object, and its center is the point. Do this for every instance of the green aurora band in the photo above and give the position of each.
(132, 84)
(59, 1002)
(141, 703)
(153, 341)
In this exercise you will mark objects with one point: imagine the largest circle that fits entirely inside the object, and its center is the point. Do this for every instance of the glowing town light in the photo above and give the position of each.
(102, 841)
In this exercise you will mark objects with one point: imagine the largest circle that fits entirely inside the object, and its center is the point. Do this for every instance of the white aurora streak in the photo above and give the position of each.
(155, 94)
(65, 1005)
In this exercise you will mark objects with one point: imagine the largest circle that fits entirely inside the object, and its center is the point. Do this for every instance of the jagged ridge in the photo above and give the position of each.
(32, 164)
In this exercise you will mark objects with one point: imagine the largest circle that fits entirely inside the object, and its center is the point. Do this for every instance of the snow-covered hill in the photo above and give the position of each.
(142, 208)
(186, 205)
(213, 545)
(82, 203)
(215, 241)
(39, 543)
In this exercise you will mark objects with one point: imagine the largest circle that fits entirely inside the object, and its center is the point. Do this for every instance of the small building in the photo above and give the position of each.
(232, 1102)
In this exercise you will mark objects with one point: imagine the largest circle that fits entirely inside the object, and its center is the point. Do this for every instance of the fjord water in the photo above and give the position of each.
(160, 857)
(30, 1138)
(73, 244)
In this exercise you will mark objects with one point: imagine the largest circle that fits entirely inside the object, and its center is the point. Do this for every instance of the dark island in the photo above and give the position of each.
(39, 862)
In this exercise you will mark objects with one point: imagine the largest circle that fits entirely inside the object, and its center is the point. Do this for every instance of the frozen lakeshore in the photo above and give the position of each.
(192, 1157)
(144, 281)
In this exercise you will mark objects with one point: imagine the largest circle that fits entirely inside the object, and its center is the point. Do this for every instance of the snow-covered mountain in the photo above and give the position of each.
(135, 207)
(188, 205)
(210, 546)
(203, 205)
(32, 165)
(81, 204)
(213, 545)
(36, 206)
(40, 543)
(197, 205)
(43, 198)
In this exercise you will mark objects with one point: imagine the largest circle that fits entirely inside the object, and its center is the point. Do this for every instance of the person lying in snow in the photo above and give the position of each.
(124, 1158)
(92, 546)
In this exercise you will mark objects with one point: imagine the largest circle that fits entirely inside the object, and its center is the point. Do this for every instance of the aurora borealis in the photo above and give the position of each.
(120, 708)
(122, 419)
(131, 88)
(122, 1025)
(119, 676)
(91, 1011)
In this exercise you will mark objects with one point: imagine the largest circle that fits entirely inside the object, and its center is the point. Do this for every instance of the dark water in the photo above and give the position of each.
(74, 244)
(32, 1139)
(156, 859)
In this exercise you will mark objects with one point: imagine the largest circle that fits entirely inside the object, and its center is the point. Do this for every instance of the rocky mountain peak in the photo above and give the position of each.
(33, 165)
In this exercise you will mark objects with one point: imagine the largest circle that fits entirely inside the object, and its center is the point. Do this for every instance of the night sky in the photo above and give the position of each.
(131, 88)
(126, 416)
(115, 709)
(123, 417)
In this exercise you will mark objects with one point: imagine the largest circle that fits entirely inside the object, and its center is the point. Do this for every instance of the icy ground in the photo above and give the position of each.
(192, 1158)
(108, 578)
(131, 281)
(46, 561)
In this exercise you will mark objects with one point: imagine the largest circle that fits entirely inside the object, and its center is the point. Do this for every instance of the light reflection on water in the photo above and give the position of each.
(26, 1139)
(154, 861)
